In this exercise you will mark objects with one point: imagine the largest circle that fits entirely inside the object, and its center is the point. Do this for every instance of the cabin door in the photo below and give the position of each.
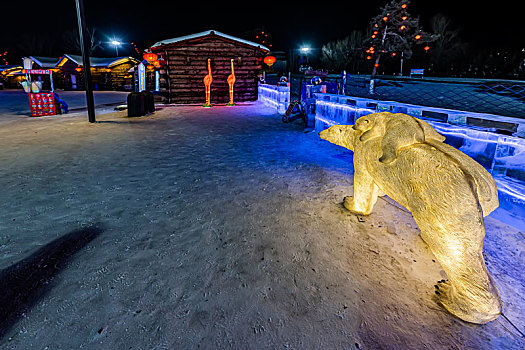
(73, 81)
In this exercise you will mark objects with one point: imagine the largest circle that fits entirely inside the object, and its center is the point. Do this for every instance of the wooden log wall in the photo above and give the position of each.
(187, 67)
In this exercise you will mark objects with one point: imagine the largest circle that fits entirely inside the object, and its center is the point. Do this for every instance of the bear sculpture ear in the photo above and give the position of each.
(401, 131)
(370, 134)
(430, 133)
(372, 125)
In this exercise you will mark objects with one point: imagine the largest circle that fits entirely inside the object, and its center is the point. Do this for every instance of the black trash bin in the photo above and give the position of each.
(149, 102)
(136, 106)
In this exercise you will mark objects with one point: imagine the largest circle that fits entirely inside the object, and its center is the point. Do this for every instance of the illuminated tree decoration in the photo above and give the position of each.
(395, 31)
(447, 192)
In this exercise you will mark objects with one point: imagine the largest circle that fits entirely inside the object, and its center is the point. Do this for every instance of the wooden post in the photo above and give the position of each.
(82, 31)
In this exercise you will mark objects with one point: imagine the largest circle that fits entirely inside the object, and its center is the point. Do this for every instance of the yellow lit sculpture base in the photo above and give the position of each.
(447, 192)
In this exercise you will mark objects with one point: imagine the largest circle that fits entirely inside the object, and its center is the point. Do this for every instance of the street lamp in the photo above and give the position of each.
(303, 50)
(115, 43)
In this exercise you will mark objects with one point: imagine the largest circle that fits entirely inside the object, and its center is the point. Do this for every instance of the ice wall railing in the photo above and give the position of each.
(502, 155)
(275, 96)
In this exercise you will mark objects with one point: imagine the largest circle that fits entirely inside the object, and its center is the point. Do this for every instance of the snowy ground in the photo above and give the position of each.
(14, 104)
(216, 228)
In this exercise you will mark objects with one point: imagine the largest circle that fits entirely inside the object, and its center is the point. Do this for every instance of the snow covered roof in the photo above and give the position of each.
(97, 61)
(7, 70)
(10, 66)
(45, 62)
(209, 32)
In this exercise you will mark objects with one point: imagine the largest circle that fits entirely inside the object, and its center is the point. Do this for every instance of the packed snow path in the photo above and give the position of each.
(220, 228)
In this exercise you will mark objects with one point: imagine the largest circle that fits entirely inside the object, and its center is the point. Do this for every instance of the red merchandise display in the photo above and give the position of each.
(42, 103)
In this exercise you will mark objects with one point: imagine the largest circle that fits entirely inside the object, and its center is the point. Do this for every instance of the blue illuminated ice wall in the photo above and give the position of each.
(502, 155)
(275, 96)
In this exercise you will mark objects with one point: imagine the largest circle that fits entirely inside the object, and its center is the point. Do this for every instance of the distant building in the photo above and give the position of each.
(186, 57)
(11, 75)
(112, 73)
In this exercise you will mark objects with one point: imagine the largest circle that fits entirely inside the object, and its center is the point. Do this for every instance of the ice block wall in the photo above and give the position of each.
(502, 155)
(275, 96)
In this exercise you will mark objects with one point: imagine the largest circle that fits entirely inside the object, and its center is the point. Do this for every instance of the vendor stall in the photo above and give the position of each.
(41, 103)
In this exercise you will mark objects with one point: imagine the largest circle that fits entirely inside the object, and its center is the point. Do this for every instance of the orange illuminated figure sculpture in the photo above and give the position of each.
(231, 81)
(207, 85)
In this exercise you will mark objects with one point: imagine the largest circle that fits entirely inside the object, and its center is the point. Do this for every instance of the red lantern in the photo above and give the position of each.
(426, 48)
(150, 67)
(150, 56)
(269, 60)
(108, 70)
(78, 69)
(418, 37)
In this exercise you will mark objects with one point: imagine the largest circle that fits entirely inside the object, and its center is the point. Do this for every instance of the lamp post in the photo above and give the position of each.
(115, 43)
(82, 31)
(303, 50)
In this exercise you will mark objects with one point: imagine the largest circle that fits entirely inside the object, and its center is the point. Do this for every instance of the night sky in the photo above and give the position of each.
(145, 22)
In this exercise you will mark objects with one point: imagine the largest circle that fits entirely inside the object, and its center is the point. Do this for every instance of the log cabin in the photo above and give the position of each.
(186, 58)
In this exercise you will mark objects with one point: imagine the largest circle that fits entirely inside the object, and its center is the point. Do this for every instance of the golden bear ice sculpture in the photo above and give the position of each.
(447, 192)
